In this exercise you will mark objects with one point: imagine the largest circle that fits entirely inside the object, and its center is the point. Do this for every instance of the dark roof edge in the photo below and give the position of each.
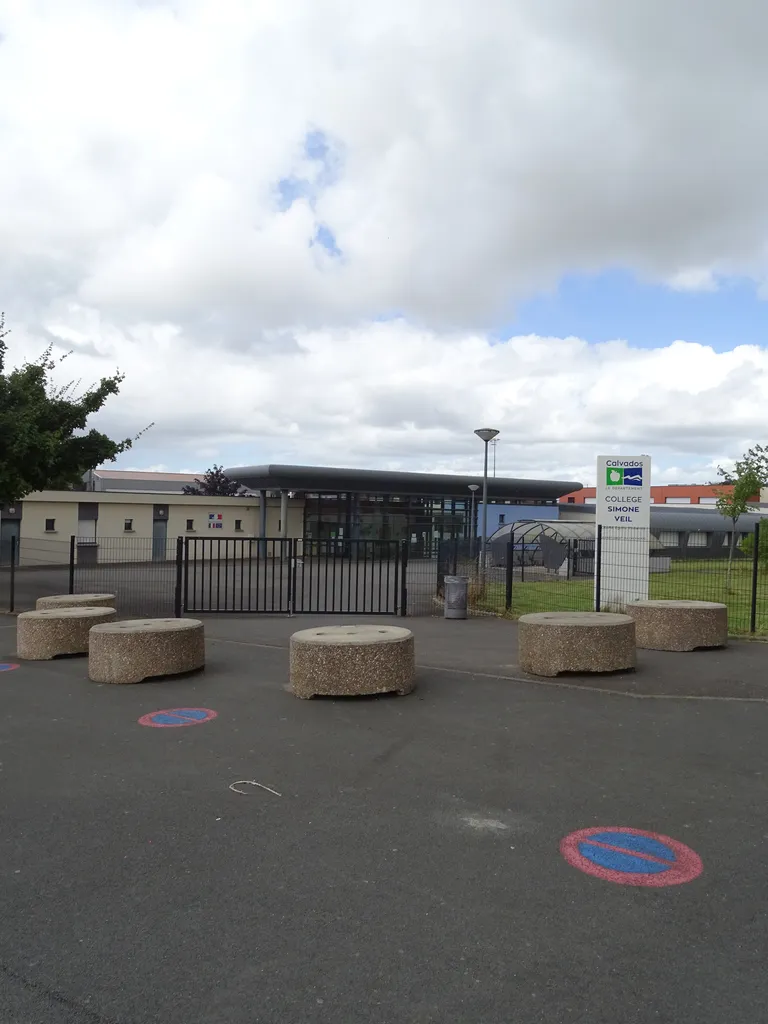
(312, 478)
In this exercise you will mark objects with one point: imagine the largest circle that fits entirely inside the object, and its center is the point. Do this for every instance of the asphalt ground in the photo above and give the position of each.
(410, 869)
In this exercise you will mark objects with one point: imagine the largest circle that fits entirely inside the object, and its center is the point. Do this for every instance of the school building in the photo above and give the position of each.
(135, 516)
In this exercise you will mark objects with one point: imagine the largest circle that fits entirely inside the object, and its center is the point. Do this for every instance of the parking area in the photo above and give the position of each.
(409, 860)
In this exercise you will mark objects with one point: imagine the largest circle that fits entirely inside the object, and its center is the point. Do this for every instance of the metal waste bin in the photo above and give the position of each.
(456, 597)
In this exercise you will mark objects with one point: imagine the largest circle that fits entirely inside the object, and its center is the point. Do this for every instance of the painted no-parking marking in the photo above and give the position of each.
(175, 718)
(8, 666)
(630, 856)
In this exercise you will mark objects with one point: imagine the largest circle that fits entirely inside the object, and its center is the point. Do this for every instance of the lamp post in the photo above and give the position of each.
(474, 488)
(486, 434)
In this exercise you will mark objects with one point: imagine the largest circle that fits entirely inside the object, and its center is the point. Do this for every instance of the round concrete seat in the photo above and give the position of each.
(679, 625)
(138, 649)
(42, 635)
(76, 601)
(555, 642)
(344, 661)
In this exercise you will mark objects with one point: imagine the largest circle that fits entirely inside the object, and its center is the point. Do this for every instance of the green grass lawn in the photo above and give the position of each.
(687, 580)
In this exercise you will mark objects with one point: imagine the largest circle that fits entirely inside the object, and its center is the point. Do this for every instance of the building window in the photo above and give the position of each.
(669, 539)
(571, 501)
(128, 526)
(698, 539)
(50, 525)
(502, 519)
(239, 524)
(190, 524)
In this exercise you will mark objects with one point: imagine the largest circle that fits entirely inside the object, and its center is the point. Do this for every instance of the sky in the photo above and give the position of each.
(347, 233)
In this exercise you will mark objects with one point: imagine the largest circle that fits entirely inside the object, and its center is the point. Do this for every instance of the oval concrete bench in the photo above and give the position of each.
(342, 661)
(679, 625)
(75, 601)
(554, 642)
(138, 649)
(45, 634)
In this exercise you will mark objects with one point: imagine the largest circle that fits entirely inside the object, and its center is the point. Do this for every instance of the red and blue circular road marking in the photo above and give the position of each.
(7, 666)
(174, 718)
(629, 856)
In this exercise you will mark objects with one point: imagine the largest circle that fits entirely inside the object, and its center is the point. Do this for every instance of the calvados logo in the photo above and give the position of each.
(624, 477)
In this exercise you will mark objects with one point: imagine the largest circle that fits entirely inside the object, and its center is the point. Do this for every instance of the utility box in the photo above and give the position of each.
(456, 588)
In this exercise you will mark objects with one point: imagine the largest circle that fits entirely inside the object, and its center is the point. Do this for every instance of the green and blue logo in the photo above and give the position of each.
(618, 477)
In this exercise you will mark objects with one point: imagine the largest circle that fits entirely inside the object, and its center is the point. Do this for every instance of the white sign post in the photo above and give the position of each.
(623, 510)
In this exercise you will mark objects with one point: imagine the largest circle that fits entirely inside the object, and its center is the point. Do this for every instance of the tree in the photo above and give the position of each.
(744, 482)
(215, 484)
(43, 443)
(747, 545)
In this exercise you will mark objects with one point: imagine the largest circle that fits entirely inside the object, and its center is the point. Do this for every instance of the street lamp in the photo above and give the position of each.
(474, 488)
(486, 434)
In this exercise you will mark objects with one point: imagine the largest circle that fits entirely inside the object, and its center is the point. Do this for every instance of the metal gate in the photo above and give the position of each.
(237, 574)
(285, 576)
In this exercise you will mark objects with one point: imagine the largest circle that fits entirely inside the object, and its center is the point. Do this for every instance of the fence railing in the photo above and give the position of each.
(285, 576)
(591, 575)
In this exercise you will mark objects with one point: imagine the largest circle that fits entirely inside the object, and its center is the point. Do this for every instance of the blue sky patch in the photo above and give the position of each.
(615, 305)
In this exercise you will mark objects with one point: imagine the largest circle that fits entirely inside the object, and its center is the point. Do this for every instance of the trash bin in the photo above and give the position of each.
(456, 597)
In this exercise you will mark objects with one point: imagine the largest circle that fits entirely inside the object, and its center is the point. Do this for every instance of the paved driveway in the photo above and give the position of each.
(409, 870)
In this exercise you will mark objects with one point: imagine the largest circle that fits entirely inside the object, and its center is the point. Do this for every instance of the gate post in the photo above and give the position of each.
(598, 566)
(510, 571)
(291, 570)
(12, 575)
(755, 570)
(72, 564)
(179, 576)
(404, 578)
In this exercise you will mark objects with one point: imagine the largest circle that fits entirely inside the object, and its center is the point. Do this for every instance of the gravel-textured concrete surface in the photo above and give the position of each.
(51, 632)
(409, 871)
(679, 625)
(138, 649)
(556, 642)
(76, 601)
(348, 661)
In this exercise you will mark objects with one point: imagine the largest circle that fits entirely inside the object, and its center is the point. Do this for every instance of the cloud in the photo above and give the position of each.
(458, 154)
(222, 198)
(393, 395)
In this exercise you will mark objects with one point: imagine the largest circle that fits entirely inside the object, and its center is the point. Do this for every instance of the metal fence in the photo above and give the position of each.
(739, 582)
(37, 568)
(284, 576)
(566, 580)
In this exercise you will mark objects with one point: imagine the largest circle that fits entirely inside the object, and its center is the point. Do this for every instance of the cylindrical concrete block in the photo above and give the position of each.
(352, 660)
(42, 635)
(679, 625)
(584, 642)
(138, 649)
(76, 601)
(456, 588)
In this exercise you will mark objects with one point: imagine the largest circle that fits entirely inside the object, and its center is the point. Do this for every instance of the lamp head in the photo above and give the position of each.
(486, 434)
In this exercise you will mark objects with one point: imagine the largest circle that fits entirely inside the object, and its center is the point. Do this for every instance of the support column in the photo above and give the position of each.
(262, 523)
(283, 514)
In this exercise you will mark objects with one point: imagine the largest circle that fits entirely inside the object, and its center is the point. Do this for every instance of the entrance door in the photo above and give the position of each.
(8, 528)
(159, 539)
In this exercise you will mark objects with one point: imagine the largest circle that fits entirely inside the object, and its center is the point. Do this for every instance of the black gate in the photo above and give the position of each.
(237, 574)
(360, 577)
(284, 576)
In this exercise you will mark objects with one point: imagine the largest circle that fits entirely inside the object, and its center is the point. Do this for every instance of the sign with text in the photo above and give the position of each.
(623, 491)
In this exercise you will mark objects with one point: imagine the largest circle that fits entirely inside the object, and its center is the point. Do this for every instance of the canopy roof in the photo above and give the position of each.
(332, 480)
